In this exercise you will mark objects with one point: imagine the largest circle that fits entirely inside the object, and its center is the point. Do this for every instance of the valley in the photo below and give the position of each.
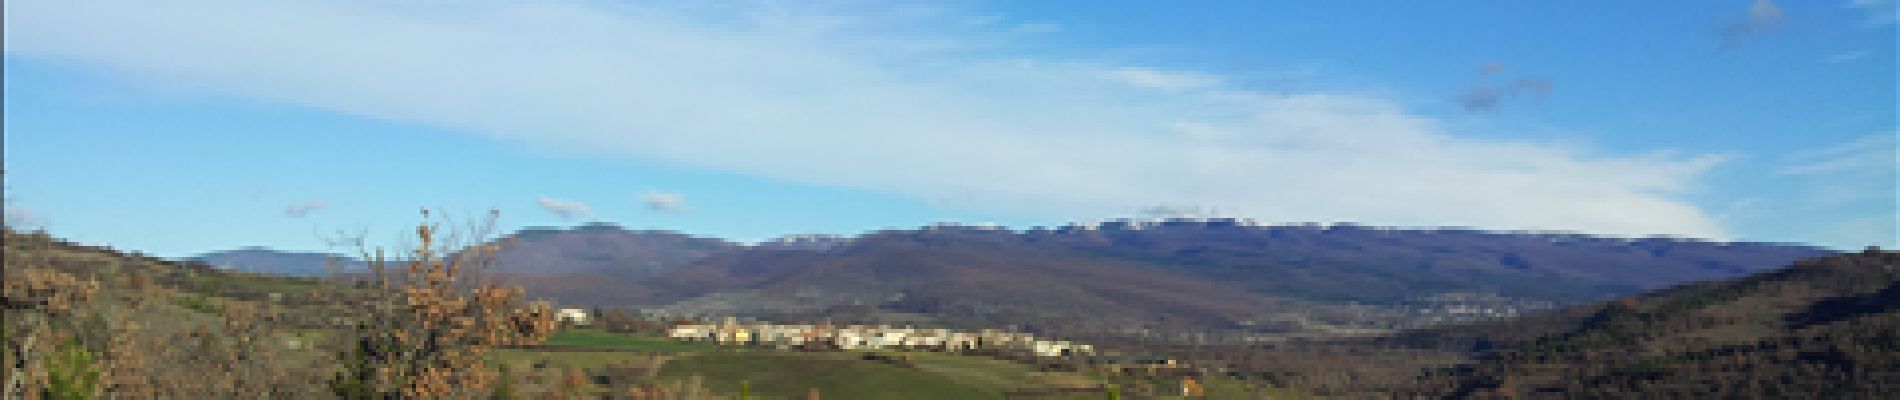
(1201, 298)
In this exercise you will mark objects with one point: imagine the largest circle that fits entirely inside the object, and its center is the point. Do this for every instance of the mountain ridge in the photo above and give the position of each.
(1186, 275)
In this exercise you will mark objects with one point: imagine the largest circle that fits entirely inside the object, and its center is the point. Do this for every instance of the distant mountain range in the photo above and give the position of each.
(597, 248)
(603, 249)
(267, 261)
(1190, 274)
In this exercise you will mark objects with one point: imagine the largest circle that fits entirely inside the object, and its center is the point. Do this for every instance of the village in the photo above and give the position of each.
(889, 344)
(871, 337)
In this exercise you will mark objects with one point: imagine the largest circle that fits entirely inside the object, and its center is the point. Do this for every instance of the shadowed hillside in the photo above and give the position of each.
(604, 249)
(1821, 328)
(1380, 265)
(967, 282)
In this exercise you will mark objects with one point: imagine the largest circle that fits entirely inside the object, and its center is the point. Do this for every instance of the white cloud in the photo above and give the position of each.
(928, 106)
(567, 210)
(300, 210)
(664, 202)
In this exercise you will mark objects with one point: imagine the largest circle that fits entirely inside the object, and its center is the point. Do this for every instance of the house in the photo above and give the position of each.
(690, 332)
(575, 316)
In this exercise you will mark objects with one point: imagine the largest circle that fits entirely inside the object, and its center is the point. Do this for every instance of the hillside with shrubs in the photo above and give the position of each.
(86, 322)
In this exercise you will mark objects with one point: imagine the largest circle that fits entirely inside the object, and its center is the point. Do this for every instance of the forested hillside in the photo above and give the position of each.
(1820, 328)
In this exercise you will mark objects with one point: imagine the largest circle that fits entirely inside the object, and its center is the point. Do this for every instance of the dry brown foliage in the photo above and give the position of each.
(37, 301)
(425, 337)
(97, 325)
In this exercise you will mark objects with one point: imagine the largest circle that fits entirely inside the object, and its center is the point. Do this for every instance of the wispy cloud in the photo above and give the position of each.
(1880, 13)
(1163, 80)
(1489, 68)
(927, 105)
(1871, 153)
(303, 209)
(1037, 27)
(19, 217)
(567, 210)
(1850, 190)
(1848, 56)
(1861, 174)
(1180, 211)
(1763, 16)
(13, 214)
(1480, 98)
(664, 202)
(1487, 97)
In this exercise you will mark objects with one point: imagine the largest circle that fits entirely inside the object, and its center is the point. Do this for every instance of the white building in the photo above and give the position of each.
(572, 315)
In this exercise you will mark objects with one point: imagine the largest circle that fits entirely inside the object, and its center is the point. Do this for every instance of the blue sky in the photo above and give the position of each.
(196, 126)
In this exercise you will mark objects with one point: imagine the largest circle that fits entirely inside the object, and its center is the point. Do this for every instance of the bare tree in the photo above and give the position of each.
(425, 331)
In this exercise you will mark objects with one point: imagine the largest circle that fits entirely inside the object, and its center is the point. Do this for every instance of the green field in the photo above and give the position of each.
(990, 372)
(576, 359)
(618, 341)
(603, 348)
(836, 375)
